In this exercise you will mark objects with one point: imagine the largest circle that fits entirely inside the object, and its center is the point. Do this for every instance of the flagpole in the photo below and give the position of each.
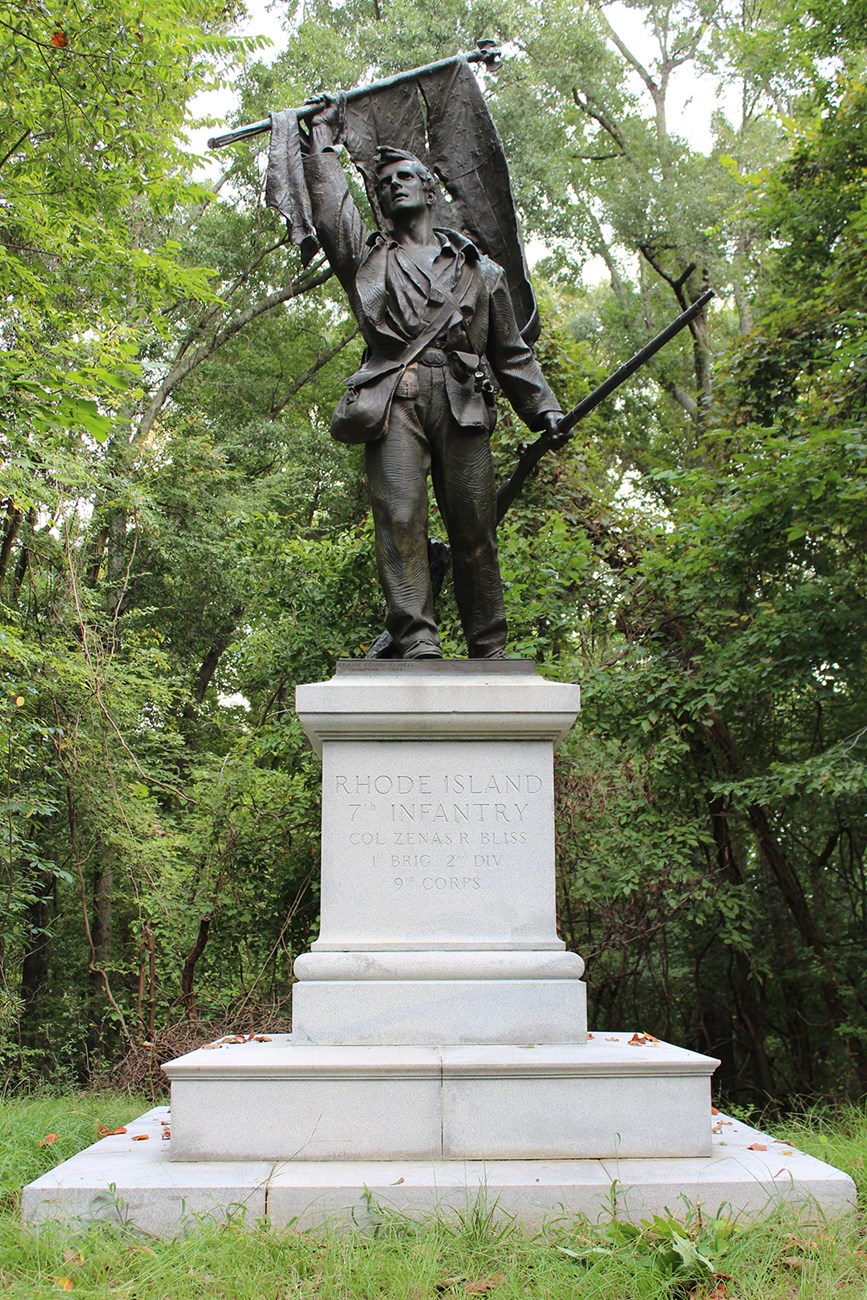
(487, 52)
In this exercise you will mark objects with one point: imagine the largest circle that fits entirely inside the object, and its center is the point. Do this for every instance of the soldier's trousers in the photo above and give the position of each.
(423, 438)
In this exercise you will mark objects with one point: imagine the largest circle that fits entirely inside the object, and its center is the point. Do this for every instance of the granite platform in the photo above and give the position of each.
(747, 1176)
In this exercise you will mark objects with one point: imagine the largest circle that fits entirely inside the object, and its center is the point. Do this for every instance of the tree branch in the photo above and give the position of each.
(16, 146)
(630, 58)
(648, 252)
(318, 364)
(215, 308)
(189, 970)
(679, 395)
(185, 365)
(599, 115)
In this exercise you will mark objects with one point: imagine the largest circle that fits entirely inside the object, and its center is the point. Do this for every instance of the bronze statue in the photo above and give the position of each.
(444, 301)
(441, 336)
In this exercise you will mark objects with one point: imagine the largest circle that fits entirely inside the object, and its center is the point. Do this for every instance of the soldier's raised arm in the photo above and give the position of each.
(342, 233)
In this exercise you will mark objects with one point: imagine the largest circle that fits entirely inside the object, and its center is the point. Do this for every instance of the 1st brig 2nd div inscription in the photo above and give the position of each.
(435, 833)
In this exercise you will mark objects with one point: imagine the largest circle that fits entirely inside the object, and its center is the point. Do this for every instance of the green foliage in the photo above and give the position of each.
(182, 542)
(478, 1251)
(91, 150)
(92, 169)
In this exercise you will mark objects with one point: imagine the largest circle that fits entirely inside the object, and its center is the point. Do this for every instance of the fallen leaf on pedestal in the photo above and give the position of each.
(49, 1139)
(263, 1038)
(397, 1182)
(643, 1040)
(757, 1146)
(589, 1036)
(140, 1137)
(103, 1131)
(713, 1110)
(612, 1038)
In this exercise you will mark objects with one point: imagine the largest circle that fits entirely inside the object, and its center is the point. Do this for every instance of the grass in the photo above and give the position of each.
(478, 1255)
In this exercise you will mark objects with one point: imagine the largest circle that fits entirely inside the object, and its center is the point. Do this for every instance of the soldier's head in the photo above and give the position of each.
(403, 183)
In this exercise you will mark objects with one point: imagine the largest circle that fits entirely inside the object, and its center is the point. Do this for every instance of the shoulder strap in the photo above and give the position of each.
(437, 284)
(439, 319)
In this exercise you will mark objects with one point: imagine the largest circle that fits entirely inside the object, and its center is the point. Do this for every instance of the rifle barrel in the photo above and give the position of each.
(531, 455)
(486, 53)
(622, 373)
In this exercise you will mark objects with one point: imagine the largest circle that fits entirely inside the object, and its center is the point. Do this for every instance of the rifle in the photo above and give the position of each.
(486, 52)
(532, 454)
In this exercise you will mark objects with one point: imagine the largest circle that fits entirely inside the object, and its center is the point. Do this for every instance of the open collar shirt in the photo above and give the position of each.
(393, 299)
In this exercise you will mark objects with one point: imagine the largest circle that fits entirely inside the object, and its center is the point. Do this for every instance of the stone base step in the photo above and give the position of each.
(136, 1183)
(390, 1012)
(285, 1100)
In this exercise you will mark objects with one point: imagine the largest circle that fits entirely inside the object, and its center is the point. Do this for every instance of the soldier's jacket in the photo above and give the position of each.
(393, 301)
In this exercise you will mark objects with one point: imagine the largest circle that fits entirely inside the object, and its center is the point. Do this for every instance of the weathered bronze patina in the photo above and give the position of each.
(441, 337)
(442, 293)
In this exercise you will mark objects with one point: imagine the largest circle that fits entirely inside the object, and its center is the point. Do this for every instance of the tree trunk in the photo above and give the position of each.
(189, 971)
(34, 963)
(100, 929)
(10, 532)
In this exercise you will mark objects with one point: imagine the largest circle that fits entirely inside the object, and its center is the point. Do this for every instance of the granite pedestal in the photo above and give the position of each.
(438, 910)
(439, 1025)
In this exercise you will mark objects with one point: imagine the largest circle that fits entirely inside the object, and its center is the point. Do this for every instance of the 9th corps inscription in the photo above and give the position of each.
(429, 841)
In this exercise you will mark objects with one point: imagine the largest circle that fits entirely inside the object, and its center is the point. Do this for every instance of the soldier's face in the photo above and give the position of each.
(400, 188)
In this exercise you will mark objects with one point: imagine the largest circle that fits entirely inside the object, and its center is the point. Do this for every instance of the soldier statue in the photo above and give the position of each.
(441, 338)
(445, 324)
